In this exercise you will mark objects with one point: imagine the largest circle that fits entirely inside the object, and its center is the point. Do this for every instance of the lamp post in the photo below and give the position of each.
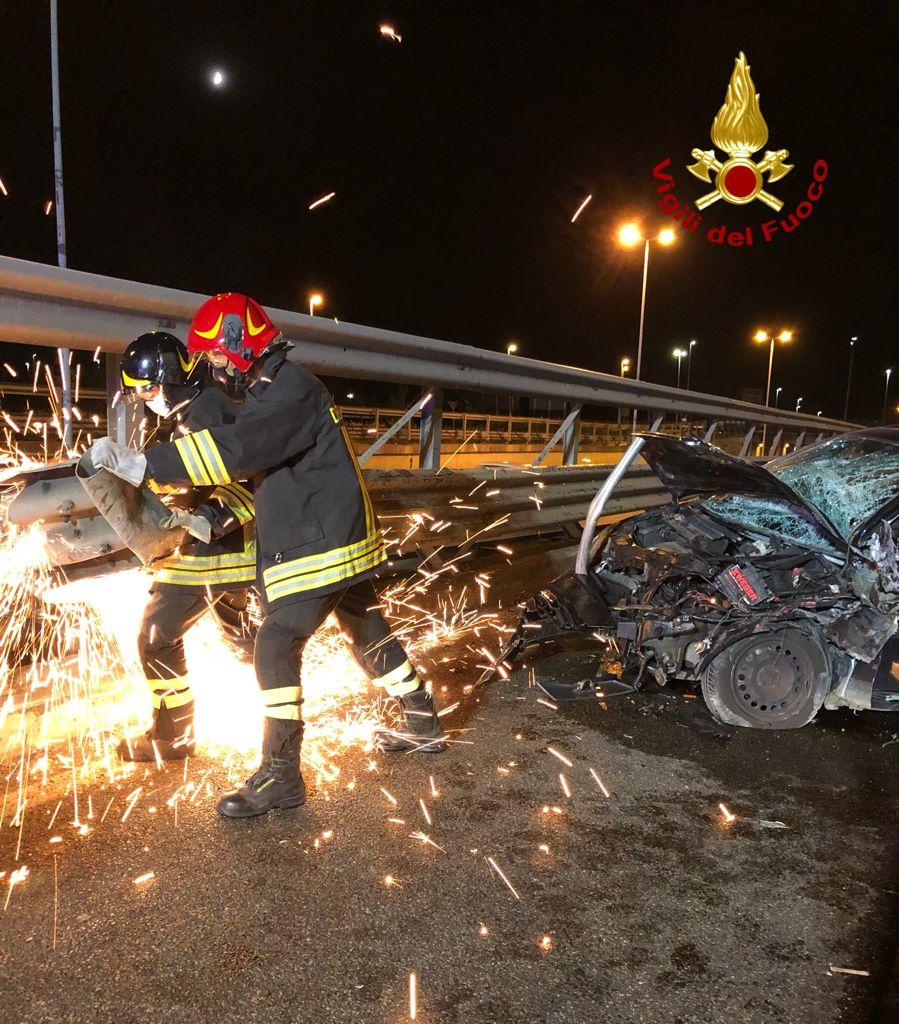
(679, 354)
(625, 367)
(852, 342)
(886, 393)
(761, 336)
(511, 348)
(629, 236)
(777, 392)
(690, 361)
(798, 403)
(315, 299)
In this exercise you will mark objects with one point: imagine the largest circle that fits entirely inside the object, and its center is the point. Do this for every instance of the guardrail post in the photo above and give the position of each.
(711, 427)
(747, 440)
(430, 431)
(800, 440)
(571, 438)
(772, 451)
(123, 419)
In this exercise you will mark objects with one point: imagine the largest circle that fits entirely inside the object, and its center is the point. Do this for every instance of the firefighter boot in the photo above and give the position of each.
(419, 729)
(277, 783)
(169, 738)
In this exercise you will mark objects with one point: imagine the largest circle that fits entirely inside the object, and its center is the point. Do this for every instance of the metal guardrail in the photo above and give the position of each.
(47, 305)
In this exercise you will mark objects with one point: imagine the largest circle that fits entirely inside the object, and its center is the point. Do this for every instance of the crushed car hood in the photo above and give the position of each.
(688, 466)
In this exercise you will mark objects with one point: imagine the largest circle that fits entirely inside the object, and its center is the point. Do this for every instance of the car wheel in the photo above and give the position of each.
(772, 680)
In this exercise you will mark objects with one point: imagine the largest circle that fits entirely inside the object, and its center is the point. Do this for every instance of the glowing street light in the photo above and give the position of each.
(217, 77)
(315, 299)
(679, 354)
(625, 366)
(629, 236)
(511, 348)
(886, 393)
(777, 392)
(761, 336)
(798, 403)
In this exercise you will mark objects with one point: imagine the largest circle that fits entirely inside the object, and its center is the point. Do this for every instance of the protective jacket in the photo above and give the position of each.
(228, 560)
(315, 525)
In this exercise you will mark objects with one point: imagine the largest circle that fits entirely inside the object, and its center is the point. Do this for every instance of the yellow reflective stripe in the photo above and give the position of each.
(194, 579)
(238, 499)
(281, 694)
(285, 711)
(212, 457)
(397, 675)
(170, 693)
(369, 512)
(191, 460)
(211, 561)
(401, 689)
(334, 415)
(134, 382)
(323, 560)
(323, 579)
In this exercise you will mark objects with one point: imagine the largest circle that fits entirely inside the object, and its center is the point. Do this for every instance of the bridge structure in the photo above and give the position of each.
(546, 471)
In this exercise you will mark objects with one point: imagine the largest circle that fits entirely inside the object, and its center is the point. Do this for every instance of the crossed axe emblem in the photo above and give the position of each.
(772, 164)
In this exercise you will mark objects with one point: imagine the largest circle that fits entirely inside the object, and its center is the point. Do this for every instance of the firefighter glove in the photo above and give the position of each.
(120, 460)
(196, 526)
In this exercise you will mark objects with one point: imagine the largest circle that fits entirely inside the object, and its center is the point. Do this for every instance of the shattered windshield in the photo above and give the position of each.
(847, 478)
(770, 516)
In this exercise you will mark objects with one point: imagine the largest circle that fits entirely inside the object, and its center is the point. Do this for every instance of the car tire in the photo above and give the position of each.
(776, 679)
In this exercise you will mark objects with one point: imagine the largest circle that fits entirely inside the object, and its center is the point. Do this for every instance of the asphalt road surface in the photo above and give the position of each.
(646, 907)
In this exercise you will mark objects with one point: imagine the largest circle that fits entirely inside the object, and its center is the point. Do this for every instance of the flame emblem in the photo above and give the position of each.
(740, 130)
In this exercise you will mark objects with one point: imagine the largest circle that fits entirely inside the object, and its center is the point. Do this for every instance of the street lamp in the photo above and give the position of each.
(761, 336)
(511, 348)
(798, 403)
(625, 366)
(777, 392)
(629, 236)
(852, 342)
(217, 77)
(690, 361)
(315, 299)
(886, 393)
(679, 354)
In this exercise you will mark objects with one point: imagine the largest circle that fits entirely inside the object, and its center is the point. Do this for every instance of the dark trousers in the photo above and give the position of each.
(170, 613)
(285, 632)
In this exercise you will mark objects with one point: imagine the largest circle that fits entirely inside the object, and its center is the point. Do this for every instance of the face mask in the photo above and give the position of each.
(160, 406)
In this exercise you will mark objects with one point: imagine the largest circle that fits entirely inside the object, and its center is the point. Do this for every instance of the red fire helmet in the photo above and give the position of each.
(234, 325)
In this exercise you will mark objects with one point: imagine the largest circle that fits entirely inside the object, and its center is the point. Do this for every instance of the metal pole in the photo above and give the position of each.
(679, 358)
(768, 391)
(642, 317)
(849, 379)
(886, 394)
(63, 353)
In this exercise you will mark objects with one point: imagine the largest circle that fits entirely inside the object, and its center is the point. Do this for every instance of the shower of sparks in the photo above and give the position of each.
(389, 32)
(600, 783)
(728, 815)
(560, 756)
(502, 875)
(581, 209)
(322, 199)
(48, 206)
(145, 877)
(563, 782)
(3, 188)
(413, 996)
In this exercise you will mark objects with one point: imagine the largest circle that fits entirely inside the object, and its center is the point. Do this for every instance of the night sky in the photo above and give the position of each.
(458, 158)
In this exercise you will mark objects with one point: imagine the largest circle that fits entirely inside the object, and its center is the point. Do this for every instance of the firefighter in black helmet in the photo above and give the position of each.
(318, 535)
(214, 569)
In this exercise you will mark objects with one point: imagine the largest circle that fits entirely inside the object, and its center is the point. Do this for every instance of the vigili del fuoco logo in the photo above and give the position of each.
(739, 131)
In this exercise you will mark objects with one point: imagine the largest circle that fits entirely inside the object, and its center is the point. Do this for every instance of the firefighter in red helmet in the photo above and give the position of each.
(318, 538)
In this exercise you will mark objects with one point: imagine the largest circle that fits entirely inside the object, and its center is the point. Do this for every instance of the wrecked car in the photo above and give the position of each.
(775, 587)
